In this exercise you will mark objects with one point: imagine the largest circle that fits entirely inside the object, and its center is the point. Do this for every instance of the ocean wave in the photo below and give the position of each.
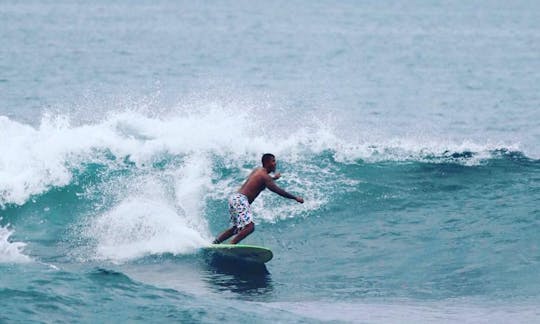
(36, 159)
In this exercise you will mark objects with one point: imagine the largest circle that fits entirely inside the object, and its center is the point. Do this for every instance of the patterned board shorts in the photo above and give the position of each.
(240, 210)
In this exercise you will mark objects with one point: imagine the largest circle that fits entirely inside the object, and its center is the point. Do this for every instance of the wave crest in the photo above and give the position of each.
(36, 159)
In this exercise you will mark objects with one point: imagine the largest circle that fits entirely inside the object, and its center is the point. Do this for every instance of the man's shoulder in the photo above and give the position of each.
(260, 173)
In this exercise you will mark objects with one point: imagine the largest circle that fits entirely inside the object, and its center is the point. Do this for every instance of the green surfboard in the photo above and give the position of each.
(249, 253)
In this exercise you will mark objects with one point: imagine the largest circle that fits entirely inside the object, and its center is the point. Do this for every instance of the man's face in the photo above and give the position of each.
(272, 165)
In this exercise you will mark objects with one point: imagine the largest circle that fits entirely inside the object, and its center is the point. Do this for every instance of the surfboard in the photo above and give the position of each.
(249, 253)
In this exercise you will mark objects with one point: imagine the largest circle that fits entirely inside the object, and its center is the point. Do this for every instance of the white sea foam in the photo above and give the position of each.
(34, 159)
(153, 213)
(11, 252)
(139, 227)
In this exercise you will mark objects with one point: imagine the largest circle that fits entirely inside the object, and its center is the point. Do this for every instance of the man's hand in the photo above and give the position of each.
(299, 199)
(277, 176)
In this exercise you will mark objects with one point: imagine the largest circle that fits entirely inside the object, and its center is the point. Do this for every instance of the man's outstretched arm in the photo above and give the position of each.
(270, 184)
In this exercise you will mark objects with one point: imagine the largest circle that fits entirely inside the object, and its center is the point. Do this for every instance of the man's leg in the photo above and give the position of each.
(248, 229)
(225, 235)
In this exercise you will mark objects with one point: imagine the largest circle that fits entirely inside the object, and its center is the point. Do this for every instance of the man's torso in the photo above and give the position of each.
(255, 183)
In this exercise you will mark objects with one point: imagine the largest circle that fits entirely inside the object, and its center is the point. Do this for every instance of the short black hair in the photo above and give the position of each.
(267, 157)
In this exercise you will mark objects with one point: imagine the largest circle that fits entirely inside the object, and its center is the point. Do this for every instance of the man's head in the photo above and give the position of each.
(269, 162)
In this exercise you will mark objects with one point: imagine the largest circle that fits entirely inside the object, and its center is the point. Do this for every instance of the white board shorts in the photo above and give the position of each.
(240, 210)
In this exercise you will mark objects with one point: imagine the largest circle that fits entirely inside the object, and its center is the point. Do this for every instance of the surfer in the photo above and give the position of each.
(240, 202)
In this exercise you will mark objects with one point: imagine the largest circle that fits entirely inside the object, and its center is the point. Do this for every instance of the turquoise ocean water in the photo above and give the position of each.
(411, 129)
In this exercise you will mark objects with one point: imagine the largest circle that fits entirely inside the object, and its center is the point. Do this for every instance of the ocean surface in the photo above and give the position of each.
(410, 128)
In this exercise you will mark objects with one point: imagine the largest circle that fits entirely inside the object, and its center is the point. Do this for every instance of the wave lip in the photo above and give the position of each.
(415, 150)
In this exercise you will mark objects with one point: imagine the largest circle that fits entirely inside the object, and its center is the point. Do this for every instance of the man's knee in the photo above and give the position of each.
(248, 229)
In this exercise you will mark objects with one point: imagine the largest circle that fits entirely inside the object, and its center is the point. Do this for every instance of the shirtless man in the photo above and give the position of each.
(240, 202)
